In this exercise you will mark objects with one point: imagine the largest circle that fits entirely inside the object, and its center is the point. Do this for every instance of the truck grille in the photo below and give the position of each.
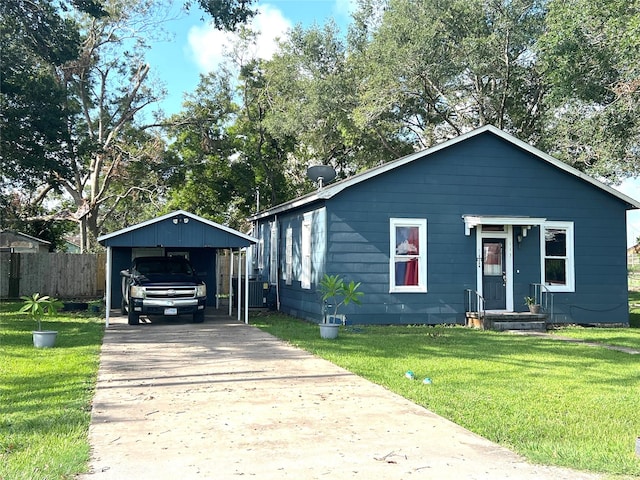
(173, 292)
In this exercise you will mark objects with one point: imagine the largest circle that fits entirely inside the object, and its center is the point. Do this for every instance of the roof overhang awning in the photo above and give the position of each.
(472, 221)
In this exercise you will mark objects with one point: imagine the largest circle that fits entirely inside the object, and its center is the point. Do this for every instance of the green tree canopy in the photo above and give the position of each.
(590, 54)
(436, 69)
(36, 42)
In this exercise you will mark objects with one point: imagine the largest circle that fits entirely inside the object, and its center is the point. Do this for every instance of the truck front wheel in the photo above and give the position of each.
(133, 317)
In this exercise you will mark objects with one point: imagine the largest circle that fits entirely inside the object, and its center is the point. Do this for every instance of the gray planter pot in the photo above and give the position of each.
(44, 338)
(329, 330)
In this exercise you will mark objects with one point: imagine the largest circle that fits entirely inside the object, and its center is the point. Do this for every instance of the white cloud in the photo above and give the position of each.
(345, 7)
(207, 45)
(631, 188)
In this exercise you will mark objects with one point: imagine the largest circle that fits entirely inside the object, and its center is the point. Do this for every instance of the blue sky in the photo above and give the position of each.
(197, 48)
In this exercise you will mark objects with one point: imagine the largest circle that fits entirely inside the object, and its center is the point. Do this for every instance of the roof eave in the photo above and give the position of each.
(173, 214)
(333, 189)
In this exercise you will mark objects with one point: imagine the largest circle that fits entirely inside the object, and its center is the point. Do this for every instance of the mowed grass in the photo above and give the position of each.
(556, 403)
(627, 338)
(45, 395)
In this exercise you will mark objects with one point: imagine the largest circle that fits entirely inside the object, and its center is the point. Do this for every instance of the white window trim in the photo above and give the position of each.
(260, 251)
(288, 255)
(421, 223)
(305, 251)
(273, 254)
(570, 257)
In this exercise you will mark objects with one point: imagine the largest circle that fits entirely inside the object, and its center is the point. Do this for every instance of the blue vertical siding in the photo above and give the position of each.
(483, 175)
(294, 300)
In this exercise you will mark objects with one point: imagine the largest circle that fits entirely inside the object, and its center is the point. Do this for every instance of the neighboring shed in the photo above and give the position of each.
(482, 219)
(176, 233)
(17, 242)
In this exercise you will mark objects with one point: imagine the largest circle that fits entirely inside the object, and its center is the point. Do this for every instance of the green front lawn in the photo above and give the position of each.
(627, 337)
(45, 395)
(554, 402)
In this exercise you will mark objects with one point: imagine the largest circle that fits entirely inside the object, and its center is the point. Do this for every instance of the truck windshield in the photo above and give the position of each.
(169, 266)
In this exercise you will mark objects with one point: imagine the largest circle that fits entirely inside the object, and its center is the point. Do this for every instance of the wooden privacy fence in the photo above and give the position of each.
(62, 275)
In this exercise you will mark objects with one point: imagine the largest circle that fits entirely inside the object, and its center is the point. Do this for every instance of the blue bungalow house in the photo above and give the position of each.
(478, 222)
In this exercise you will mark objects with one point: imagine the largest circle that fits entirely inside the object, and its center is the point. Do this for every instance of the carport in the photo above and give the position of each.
(177, 233)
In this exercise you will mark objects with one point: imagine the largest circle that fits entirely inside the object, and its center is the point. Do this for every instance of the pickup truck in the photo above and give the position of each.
(162, 286)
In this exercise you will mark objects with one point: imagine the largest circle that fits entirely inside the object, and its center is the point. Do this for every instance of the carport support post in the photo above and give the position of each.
(239, 282)
(231, 283)
(108, 287)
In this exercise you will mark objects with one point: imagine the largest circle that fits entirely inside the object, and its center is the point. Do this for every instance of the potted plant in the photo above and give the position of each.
(36, 307)
(335, 293)
(531, 303)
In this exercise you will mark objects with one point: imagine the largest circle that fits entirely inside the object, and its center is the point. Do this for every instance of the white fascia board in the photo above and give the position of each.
(472, 221)
(173, 214)
(335, 188)
(561, 165)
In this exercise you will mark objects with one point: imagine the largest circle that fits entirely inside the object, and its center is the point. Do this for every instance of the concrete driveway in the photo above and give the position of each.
(223, 400)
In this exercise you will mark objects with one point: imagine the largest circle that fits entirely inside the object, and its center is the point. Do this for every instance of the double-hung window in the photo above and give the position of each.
(288, 255)
(408, 255)
(557, 258)
(273, 254)
(260, 249)
(305, 247)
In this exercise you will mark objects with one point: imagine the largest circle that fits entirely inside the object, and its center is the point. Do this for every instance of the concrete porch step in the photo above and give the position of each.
(536, 326)
(502, 321)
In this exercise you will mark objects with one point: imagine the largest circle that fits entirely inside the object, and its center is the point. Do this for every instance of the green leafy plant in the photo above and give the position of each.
(528, 301)
(337, 292)
(37, 306)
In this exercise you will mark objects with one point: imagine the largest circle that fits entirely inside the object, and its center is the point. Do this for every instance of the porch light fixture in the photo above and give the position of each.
(524, 229)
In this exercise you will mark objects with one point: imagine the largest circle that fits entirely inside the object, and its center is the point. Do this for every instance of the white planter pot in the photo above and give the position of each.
(44, 338)
(329, 330)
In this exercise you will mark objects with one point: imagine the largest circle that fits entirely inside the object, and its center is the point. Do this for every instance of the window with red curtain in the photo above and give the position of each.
(409, 259)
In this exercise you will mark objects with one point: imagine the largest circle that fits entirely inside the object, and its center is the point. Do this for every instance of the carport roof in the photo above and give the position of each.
(177, 229)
